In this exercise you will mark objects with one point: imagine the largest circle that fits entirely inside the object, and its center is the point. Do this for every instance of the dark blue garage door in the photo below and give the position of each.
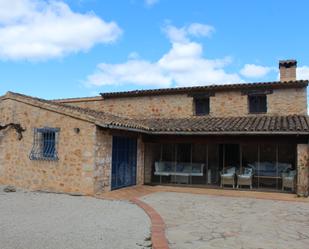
(123, 162)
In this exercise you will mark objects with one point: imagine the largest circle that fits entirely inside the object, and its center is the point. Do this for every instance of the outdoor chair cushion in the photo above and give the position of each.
(231, 170)
(228, 174)
(248, 171)
(291, 178)
(163, 167)
(289, 175)
(292, 173)
(180, 167)
(197, 169)
(265, 168)
(244, 176)
(171, 168)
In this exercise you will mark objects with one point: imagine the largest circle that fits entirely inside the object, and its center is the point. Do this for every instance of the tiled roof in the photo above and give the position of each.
(257, 124)
(78, 99)
(196, 89)
(100, 118)
(231, 125)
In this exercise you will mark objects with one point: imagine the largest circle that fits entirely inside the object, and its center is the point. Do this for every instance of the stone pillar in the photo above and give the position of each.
(302, 170)
(103, 161)
(152, 154)
(148, 162)
(2, 164)
(140, 161)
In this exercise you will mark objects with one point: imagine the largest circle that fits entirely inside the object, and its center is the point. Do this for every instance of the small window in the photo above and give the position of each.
(257, 103)
(45, 144)
(201, 106)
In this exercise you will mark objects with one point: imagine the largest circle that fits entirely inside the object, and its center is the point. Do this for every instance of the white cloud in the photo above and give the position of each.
(151, 2)
(176, 34)
(198, 29)
(37, 29)
(255, 71)
(133, 56)
(138, 72)
(183, 65)
(183, 34)
(303, 73)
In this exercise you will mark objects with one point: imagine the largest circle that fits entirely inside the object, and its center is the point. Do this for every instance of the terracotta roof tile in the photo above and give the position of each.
(255, 124)
(100, 118)
(200, 89)
(229, 125)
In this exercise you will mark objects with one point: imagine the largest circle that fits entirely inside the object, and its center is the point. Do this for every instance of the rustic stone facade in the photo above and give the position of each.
(85, 154)
(84, 164)
(287, 102)
(224, 103)
(73, 172)
(303, 169)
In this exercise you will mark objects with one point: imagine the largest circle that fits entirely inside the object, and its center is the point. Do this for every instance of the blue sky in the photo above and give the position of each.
(73, 48)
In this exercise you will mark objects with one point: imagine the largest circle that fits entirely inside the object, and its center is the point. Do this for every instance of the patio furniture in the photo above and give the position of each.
(245, 179)
(269, 174)
(270, 169)
(180, 172)
(228, 177)
(288, 180)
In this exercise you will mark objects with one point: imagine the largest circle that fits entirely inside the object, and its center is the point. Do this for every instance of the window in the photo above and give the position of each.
(201, 106)
(45, 144)
(257, 103)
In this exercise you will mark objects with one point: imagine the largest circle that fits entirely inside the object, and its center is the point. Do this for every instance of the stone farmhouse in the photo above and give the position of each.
(251, 135)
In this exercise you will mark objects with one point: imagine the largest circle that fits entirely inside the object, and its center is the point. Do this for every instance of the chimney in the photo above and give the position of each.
(287, 70)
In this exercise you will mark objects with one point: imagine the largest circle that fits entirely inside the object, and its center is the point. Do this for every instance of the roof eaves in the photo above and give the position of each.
(218, 133)
(78, 99)
(223, 87)
(150, 131)
(45, 104)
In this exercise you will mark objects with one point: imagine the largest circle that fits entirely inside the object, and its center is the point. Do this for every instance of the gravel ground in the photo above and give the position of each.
(216, 222)
(32, 220)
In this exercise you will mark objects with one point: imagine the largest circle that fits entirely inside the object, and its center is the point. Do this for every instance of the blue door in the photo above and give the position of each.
(124, 162)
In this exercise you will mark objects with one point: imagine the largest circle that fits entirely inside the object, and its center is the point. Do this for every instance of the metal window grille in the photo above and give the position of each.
(45, 143)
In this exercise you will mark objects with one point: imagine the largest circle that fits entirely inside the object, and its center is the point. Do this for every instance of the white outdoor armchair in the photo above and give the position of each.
(288, 180)
(245, 179)
(228, 177)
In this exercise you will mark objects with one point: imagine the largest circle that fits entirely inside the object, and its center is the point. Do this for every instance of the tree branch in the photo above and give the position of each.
(17, 127)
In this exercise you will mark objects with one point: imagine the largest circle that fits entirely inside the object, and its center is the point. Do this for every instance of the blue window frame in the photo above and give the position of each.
(45, 144)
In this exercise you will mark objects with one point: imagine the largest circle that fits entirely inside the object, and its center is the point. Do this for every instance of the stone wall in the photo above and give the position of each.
(103, 161)
(288, 101)
(73, 172)
(152, 154)
(302, 169)
(225, 103)
(140, 161)
(228, 104)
